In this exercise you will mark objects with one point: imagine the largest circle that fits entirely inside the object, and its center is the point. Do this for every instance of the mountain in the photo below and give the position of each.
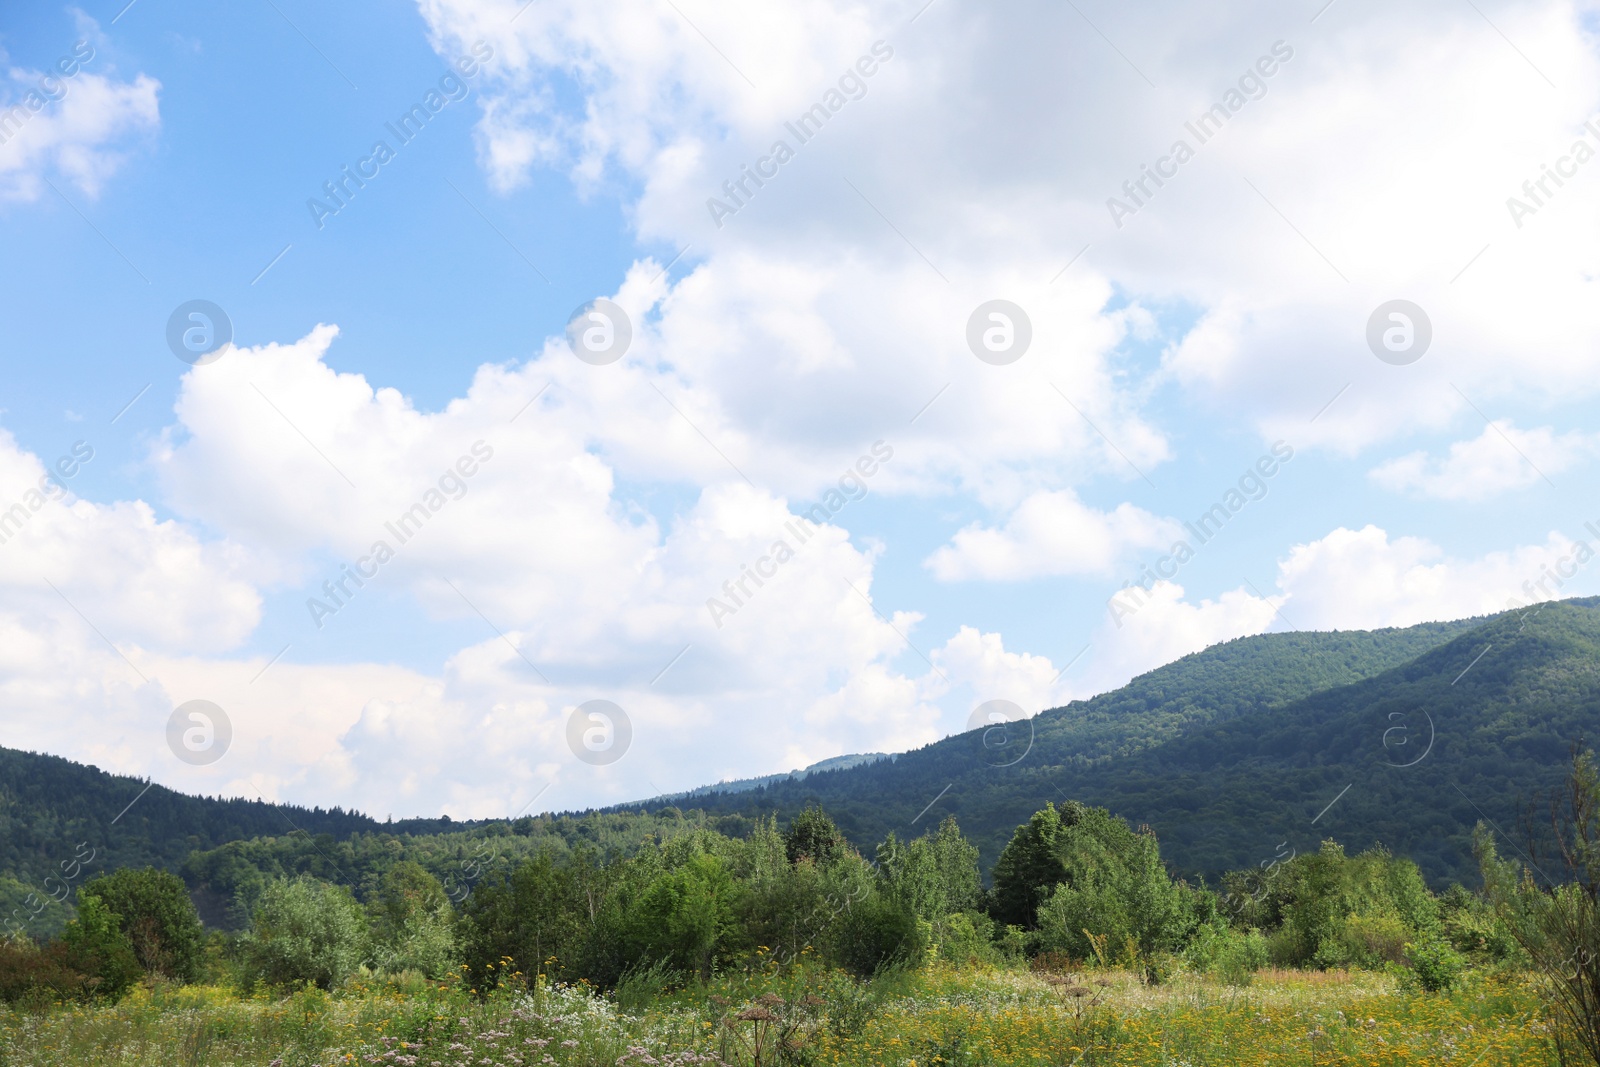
(1232, 754)
(1402, 737)
(54, 812)
(741, 785)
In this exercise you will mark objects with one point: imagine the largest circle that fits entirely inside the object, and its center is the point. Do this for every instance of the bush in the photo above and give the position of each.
(1437, 965)
(1370, 941)
(685, 916)
(31, 975)
(877, 933)
(306, 930)
(157, 917)
(98, 949)
(1114, 888)
(1232, 955)
(965, 937)
(413, 925)
(813, 836)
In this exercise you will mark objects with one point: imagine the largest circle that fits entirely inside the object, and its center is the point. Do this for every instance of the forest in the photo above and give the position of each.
(1079, 902)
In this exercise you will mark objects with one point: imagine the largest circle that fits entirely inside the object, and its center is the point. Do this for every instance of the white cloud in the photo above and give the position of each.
(1049, 534)
(598, 597)
(979, 662)
(1361, 579)
(1500, 459)
(949, 145)
(78, 128)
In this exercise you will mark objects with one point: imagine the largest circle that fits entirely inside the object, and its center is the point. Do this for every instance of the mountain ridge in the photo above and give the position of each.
(1225, 753)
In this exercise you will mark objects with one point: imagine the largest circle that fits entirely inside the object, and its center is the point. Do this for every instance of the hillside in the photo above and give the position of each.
(740, 785)
(226, 848)
(1232, 754)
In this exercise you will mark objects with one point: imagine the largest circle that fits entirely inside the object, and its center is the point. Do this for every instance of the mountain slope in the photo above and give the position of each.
(1227, 753)
(1234, 751)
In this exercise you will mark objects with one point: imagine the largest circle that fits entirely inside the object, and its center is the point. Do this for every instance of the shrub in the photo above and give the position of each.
(306, 930)
(813, 836)
(685, 916)
(156, 915)
(965, 937)
(876, 933)
(99, 949)
(32, 975)
(1372, 940)
(413, 925)
(1114, 887)
(1232, 955)
(1437, 965)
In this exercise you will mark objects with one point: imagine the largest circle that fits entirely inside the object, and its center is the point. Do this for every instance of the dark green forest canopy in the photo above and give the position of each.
(1230, 755)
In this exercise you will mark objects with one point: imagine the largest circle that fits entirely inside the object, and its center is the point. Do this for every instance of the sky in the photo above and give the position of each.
(493, 406)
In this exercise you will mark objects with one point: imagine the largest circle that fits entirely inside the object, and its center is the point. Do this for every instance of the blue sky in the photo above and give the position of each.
(982, 158)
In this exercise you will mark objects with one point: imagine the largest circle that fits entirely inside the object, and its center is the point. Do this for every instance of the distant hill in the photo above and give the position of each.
(1231, 752)
(226, 848)
(741, 785)
(1233, 755)
(49, 805)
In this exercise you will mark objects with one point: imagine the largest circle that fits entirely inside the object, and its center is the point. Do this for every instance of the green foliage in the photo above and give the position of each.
(307, 931)
(1437, 965)
(1232, 955)
(1030, 866)
(685, 917)
(413, 925)
(1338, 910)
(98, 949)
(933, 875)
(812, 836)
(876, 933)
(1113, 887)
(967, 937)
(157, 917)
(1469, 923)
(1558, 925)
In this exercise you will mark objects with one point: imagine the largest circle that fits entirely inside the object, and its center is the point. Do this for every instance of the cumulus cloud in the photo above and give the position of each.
(1286, 229)
(736, 634)
(1500, 459)
(78, 126)
(1049, 534)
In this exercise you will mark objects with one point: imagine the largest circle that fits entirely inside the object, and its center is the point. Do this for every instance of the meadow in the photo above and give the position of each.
(938, 1014)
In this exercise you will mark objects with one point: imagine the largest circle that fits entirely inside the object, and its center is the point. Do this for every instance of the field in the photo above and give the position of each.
(938, 1015)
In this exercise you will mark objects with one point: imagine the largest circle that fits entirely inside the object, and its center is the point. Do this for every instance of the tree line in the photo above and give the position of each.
(1075, 886)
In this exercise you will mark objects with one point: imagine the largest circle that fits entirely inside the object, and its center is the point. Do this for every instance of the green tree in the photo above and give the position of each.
(97, 948)
(156, 915)
(685, 917)
(935, 875)
(549, 915)
(871, 927)
(307, 930)
(1029, 866)
(813, 836)
(1558, 925)
(413, 925)
(1114, 888)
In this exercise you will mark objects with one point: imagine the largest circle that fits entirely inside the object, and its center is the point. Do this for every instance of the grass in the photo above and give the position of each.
(937, 1017)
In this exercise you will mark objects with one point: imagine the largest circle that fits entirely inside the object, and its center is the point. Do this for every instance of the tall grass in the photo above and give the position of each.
(940, 1016)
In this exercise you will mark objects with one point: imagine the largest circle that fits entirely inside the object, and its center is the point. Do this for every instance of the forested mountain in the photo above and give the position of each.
(53, 811)
(1231, 755)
